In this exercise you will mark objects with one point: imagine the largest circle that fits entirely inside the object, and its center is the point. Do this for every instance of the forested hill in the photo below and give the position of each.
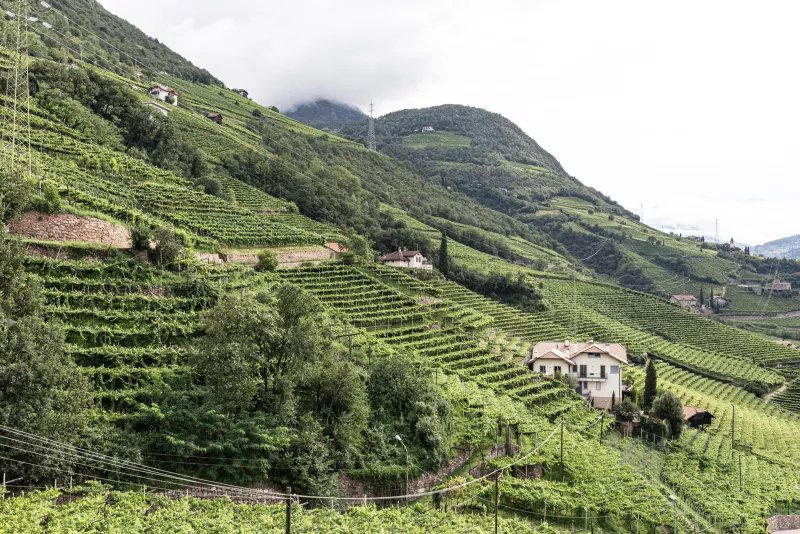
(326, 114)
(478, 152)
(108, 40)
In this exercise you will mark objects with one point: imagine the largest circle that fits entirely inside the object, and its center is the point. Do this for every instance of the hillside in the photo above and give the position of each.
(85, 27)
(326, 114)
(171, 310)
(787, 247)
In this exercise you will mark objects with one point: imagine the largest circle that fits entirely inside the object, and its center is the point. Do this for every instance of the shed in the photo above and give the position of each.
(216, 117)
(696, 417)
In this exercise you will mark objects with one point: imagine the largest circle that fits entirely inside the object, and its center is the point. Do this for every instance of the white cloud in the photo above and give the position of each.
(689, 106)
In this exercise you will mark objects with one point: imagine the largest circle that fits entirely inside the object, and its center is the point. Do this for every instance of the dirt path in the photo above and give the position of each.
(768, 396)
(795, 313)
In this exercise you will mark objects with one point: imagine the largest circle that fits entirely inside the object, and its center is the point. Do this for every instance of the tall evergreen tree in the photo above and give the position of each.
(650, 385)
(702, 298)
(444, 261)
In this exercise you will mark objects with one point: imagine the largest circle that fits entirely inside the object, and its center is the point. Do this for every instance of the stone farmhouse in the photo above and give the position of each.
(410, 259)
(686, 301)
(776, 288)
(596, 366)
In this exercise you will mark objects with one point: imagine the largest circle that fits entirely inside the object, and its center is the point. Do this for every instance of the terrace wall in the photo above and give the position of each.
(69, 227)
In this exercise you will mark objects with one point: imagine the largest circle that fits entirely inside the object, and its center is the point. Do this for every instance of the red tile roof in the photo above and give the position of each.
(684, 298)
(336, 247)
(400, 255)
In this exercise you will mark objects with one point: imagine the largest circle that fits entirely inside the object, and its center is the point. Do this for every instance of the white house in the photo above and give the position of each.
(162, 92)
(410, 259)
(164, 110)
(426, 129)
(596, 366)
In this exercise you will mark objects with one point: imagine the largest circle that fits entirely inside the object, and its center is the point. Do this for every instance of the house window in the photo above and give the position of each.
(586, 386)
(583, 371)
(615, 369)
(557, 369)
(574, 368)
(598, 386)
(543, 369)
(594, 355)
(602, 371)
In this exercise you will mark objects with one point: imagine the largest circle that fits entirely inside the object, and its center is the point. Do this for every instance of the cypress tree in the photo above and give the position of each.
(702, 298)
(613, 399)
(650, 385)
(444, 261)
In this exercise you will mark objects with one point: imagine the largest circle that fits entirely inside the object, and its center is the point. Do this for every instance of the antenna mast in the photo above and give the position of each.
(716, 232)
(16, 134)
(372, 144)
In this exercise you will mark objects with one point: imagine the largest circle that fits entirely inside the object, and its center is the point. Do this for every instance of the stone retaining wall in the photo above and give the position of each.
(69, 227)
(780, 523)
(303, 256)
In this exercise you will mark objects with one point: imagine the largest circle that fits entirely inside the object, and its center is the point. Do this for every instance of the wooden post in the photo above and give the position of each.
(288, 510)
(562, 450)
(496, 501)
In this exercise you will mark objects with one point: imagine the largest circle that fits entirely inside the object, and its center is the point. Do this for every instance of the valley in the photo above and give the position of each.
(199, 334)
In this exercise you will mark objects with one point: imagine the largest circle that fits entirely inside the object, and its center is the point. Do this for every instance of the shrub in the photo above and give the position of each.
(668, 406)
(168, 246)
(257, 113)
(266, 262)
(141, 236)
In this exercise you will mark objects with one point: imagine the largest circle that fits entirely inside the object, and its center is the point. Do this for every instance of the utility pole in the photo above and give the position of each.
(716, 232)
(641, 213)
(17, 135)
(371, 135)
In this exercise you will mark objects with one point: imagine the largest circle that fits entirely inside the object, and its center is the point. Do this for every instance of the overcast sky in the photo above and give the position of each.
(688, 107)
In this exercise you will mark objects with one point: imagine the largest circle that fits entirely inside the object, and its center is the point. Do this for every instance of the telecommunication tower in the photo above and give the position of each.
(716, 232)
(372, 144)
(16, 135)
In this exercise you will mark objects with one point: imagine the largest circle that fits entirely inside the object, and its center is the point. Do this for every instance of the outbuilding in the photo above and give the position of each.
(216, 117)
(697, 417)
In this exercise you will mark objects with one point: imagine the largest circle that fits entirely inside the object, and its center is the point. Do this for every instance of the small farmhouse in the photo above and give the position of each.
(335, 249)
(410, 259)
(596, 366)
(164, 110)
(164, 93)
(686, 301)
(242, 92)
(216, 117)
(784, 343)
(696, 417)
(426, 129)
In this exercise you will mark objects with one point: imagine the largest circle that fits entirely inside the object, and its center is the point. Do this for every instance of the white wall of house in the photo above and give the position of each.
(414, 262)
(547, 366)
(599, 376)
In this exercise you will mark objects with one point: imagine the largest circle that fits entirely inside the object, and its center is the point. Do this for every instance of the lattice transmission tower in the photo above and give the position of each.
(16, 109)
(371, 135)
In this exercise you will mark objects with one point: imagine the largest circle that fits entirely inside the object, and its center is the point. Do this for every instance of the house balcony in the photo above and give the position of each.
(590, 377)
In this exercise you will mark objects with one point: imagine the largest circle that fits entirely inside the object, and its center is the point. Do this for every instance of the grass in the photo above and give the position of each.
(436, 140)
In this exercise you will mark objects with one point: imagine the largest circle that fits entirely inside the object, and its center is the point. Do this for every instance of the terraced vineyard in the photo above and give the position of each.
(790, 398)
(128, 325)
(771, 431)
(408, 315)
(651, 314)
